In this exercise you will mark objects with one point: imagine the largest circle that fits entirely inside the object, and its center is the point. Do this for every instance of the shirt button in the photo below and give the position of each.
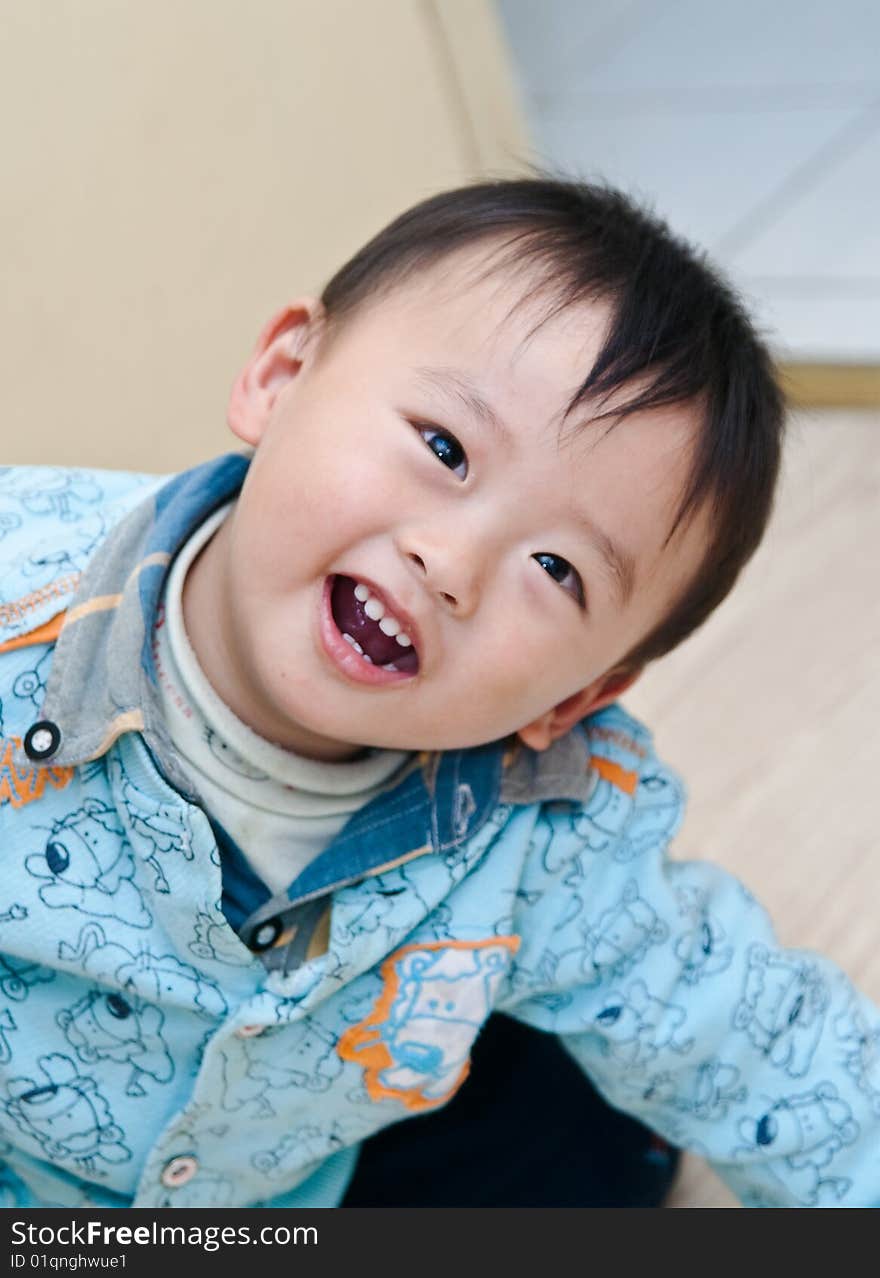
(42, 740)
(179, 1171)
(266, 935)
(249, 1031)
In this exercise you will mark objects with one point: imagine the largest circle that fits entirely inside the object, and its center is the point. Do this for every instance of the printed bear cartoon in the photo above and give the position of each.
(88, 865)
(782, 1009)
(214, 941)
(704, 949)
(808, 1130)
(62, 493)
(30, 685)
(635, 1026)
(9, 521)
(297, 1149)
(66, 1114)
(155, 828)
(706, 1090)
(393, 901)
(595, 829)
(620, 939)
(7, 1025)
(414, 1046)
(658, 804)
(310, 1062)
(18, 976)
(109, 1026)
(861, 1052)
(150, 976)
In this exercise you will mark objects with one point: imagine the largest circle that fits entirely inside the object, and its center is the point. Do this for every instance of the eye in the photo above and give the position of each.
(561, 570)
(444, 446)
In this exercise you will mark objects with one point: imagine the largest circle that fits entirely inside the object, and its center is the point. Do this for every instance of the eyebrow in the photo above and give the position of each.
(621, 565)
(449, 380)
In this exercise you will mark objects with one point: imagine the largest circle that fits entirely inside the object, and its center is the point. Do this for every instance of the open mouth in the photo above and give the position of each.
(370, 629)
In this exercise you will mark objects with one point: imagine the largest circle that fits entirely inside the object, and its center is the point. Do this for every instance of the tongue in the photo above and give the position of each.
(349, 615)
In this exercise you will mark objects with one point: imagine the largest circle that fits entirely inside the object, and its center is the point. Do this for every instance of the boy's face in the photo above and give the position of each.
(415, 451)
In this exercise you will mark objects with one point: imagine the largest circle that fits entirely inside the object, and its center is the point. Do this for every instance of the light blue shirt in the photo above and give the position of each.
(172, 1035)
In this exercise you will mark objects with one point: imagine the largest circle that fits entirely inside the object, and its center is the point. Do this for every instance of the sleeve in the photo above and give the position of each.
(667, 984)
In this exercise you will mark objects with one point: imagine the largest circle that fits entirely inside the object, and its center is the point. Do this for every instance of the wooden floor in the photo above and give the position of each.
(772, 714)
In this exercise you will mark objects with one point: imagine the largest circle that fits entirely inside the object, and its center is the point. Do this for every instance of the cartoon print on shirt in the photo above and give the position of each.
(297, 1149)
(619, 940)
(414, 1046)
(782, 1008)
(704, 949)
(860, 1047)
(594, 832)
(63, 493)
(656, 814)
(14, 914)
(66, 1114)
(706, 1090)
(108, 1026)
(88, 865)
(815, 1126)
(18, 976)
(155, 828)
(30, 685)
(215, 941)
(393, 901)
(9, 521)
(148, 975)
(7, 1025)
(635, 1026)
(310, 1062)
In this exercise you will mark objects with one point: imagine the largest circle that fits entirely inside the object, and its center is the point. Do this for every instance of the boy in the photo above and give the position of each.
(313, 762)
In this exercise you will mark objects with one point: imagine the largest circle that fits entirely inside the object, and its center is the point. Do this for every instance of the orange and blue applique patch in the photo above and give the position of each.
(20, 787)
(414, 1047)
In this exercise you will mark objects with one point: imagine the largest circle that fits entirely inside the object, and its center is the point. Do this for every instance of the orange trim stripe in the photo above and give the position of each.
(401, 860)
(100, 603)
(47, 633)
(130, 721)
(613, 772)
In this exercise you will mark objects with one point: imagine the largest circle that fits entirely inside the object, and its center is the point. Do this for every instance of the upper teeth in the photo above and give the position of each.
(376, 611)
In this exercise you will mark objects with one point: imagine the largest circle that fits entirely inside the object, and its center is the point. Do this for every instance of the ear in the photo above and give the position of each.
(543, 731)
(276, 360)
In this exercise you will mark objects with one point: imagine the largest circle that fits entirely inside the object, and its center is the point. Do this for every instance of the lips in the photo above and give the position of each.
(351, 619)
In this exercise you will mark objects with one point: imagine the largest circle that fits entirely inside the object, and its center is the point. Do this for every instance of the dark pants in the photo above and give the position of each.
(525, 1130)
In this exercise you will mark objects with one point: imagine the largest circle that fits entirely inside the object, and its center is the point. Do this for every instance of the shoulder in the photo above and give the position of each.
(634, 800)
(52, 520)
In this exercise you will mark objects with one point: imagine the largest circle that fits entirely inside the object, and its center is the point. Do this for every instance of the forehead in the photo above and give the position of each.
(493, 310)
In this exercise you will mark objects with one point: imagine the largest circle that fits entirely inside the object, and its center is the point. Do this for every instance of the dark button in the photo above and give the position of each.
(42, 740)
(265, 935)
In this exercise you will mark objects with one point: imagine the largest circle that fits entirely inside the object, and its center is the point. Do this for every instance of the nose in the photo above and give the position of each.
(452, 571)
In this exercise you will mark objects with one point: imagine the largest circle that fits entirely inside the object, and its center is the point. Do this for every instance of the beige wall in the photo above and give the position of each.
(173, 171)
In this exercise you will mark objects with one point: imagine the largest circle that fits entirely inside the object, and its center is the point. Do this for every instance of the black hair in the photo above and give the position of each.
(678, 334)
